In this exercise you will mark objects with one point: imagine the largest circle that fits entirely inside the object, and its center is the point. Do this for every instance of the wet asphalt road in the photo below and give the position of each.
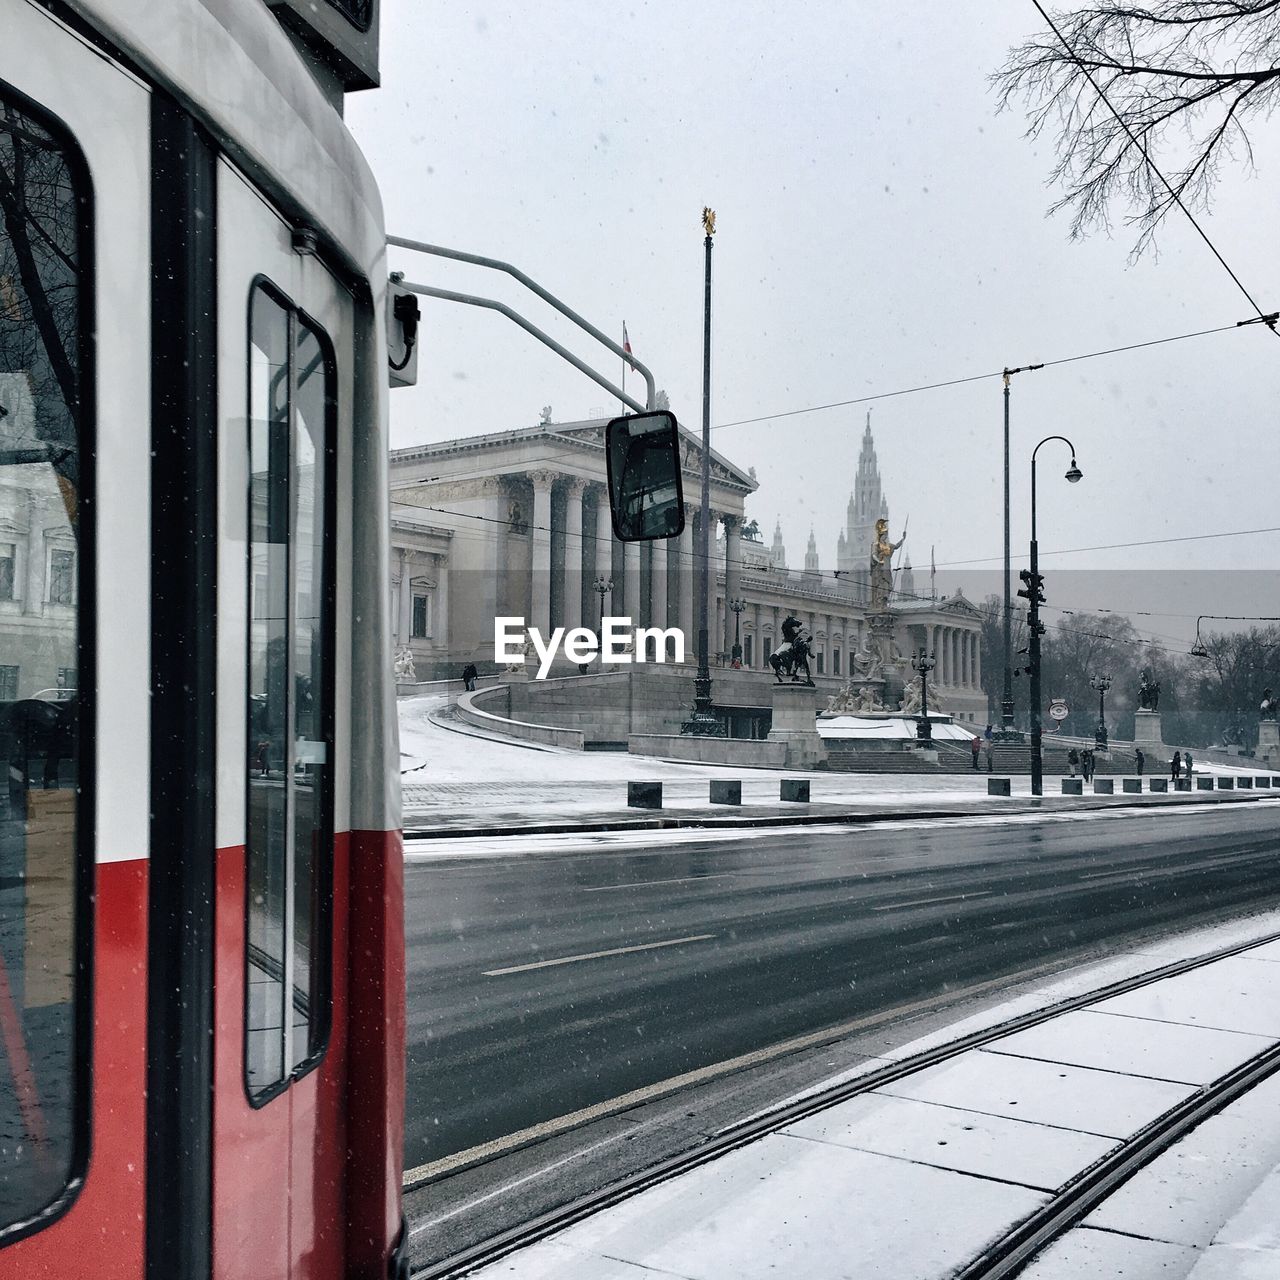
(763, 935)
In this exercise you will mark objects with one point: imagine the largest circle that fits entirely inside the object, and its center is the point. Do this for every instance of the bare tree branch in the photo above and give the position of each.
(1186, 78)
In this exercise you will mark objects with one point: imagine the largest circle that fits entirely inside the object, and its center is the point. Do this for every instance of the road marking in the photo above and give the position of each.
(924, 902)
(596, 955)
(641, 884)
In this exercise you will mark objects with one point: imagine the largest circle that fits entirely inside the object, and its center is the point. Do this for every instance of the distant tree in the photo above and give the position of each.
(1184, 76)
(992, 641)
(1229, 685)
(1084, 645)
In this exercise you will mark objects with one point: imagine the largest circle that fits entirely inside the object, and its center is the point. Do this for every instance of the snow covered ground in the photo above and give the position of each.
(443, 766)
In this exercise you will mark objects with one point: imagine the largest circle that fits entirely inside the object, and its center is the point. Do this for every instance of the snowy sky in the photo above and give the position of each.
(879, 226)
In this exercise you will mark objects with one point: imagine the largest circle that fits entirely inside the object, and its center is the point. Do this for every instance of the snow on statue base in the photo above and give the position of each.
(795, 724)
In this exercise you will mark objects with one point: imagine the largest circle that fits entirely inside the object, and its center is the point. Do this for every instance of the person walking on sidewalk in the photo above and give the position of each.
(1175, 768)
(1073, 759)
(1140, 760)
(469, 676)
(1186, 766)
(975, 746)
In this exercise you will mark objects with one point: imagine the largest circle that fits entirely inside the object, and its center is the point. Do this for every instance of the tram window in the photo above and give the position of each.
(290, 833)
(43, 927)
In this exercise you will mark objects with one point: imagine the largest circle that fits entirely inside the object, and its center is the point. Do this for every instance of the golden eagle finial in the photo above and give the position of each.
(709, 220)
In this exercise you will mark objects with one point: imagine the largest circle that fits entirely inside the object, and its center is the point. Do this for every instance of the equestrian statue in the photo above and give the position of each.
(792, 656)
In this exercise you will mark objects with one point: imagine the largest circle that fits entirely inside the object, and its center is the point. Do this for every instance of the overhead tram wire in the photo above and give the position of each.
(1149, 641)
(1268, 319)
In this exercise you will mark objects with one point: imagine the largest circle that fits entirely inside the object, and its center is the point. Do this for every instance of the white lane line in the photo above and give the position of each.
(596, 955)
(924, 902)
(641, 884)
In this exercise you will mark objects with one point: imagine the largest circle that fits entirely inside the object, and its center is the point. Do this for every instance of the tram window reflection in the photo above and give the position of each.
(289, 853)
(43, 1064)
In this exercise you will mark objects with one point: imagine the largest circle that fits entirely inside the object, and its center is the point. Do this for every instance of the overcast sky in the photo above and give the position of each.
(879, 226)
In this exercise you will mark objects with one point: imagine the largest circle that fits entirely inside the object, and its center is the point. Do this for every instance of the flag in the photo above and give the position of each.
(626, 346)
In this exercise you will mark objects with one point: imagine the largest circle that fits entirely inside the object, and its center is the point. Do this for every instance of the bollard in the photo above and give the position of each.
(999, 786)
(1131, 785)
(644, 795)
(1204, 784)
(1182, 784)
(796, 789)
(1261, 779)
(1226, 783)
(1104, 786)
(1245, 784)
(724, 791)
(1073, 786)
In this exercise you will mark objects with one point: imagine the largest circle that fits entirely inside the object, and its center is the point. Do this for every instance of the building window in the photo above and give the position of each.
(421, 616)
(62, 576)
(46, 854)
(290, 712)
(835, 662)
(747, 651)
(821, 655)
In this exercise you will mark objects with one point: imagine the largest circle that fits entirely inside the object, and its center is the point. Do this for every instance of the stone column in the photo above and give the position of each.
(574, 532)
(658, 583)
(631, 581)
(685, 575)
(440, 623)
(732, 573)
(602, 556)
(759, 656)
(404, 619)
(977, 660)
(540, 543)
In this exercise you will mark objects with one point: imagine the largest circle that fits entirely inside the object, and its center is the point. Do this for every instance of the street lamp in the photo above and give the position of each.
(1035, 598)
(923, 663)
(737, 606)
(602, 587)
(1102, 683)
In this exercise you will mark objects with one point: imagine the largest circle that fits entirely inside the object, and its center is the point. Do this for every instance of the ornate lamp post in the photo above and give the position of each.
(1102, 683)
(602, 587)
(923, 663)
(1035, 598)
(737, 605)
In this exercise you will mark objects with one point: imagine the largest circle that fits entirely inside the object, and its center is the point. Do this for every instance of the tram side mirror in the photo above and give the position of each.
(645, 493)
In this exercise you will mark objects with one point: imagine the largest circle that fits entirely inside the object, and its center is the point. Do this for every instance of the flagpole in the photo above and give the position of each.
(624, 362)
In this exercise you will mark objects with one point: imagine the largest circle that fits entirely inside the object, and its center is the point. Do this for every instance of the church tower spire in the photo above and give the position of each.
(811, 555)
(867, 504)
(777, 553)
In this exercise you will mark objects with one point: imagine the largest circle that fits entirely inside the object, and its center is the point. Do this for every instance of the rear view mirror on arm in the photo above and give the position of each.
(645, 493)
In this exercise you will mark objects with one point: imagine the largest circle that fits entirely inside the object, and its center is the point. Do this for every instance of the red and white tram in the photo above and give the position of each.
(201, 935)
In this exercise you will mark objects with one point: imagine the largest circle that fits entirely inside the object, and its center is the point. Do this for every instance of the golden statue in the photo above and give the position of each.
(709, 220)
(881, 565)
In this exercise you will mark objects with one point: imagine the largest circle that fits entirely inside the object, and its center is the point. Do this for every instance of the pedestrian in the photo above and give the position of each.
(1175, 769)
(975, 746)
(1086, 764)
(1186, 766)
(988, 735)
(1140, 760)
(469, 676)
(1073, 759)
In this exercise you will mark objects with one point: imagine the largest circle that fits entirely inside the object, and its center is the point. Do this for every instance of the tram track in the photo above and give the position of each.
(1007, 1256)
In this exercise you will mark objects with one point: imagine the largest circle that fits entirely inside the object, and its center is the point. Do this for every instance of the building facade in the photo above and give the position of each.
(516, 524)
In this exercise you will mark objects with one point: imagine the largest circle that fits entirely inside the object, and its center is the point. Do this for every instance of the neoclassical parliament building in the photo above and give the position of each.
(516, 524)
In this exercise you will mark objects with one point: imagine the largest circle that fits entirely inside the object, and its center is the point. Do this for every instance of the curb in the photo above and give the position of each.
(718, 821)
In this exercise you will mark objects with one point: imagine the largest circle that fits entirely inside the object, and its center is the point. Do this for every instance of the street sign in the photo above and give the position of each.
(1058, 708)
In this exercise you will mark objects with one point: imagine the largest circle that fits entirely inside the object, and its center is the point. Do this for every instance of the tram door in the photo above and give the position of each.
(285, 388)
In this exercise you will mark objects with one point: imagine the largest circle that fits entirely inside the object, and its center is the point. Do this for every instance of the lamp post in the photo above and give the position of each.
(1035, 598)
(1102, 683)
(602, 587)
(923, 663)
(737, 605)
(703, 722)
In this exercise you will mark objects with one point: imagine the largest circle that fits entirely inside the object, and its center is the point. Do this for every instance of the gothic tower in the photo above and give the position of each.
(811, 556)
(777, 553)
(867, 504)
